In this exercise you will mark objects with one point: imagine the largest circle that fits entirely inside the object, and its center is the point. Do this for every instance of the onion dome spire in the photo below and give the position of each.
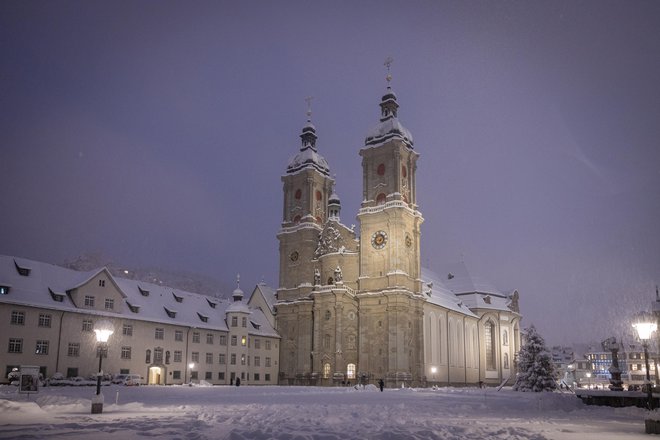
(308, 155)
(389, 126)
(238, 293)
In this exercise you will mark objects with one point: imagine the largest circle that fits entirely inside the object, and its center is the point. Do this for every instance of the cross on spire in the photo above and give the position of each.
(388, 63)
(309, 107)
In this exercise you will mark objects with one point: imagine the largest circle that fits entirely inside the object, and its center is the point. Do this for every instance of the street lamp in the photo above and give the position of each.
(103, 330)
(191, 366)
(646, 324)
(588, 380)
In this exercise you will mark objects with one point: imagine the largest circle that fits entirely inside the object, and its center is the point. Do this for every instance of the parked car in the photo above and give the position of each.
(128, 379)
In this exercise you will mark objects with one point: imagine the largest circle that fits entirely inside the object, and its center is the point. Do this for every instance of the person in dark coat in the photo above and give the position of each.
(381, 384)
(238, 381)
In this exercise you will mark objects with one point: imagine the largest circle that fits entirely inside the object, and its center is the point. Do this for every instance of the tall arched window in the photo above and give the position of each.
(350, 371)
(489, 344)
(148, 357)
(326, 371)
(380, 198)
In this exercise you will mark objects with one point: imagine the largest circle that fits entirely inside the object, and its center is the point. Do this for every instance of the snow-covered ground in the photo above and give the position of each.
(181, 412)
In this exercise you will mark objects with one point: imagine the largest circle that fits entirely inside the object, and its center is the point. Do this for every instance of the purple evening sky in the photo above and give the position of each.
(156, 132)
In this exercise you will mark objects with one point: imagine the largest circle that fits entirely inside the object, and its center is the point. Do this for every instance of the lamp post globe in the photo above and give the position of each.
(103, 330)
(646, 325)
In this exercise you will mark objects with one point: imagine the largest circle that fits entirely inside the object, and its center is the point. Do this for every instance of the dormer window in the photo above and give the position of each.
(487, 299)
(144, 292)
(202, 317)
(23, 271)
(133, 308)
(256, 326)
(4, 290)
(211, 303)
(177, 297)
(170, 313)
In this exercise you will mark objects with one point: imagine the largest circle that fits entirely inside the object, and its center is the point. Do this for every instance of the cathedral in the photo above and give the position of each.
(357, 306)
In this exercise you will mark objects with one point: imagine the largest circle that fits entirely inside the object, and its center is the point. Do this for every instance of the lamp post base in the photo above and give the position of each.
(97, 404)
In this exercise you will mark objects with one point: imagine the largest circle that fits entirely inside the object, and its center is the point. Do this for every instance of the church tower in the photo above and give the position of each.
(307, 187)
(389, 285)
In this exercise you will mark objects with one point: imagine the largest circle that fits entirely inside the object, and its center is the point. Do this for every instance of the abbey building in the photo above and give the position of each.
(357, 305)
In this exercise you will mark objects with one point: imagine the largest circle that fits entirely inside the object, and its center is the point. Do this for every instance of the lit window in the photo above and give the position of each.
(350, 371)
(4, 290)
(242, 359)
(326, 371)
(243, 340)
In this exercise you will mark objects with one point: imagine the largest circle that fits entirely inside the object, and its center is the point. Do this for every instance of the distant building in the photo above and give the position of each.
(47, 317)
(357, 305)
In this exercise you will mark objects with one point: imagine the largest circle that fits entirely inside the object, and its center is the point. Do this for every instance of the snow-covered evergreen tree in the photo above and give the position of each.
(535, 369)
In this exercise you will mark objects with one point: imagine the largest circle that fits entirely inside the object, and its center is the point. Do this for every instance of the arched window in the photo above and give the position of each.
(326, 342)
(148, 357)
(505, 337)
(404, 171)
(296, 219)
(489, 344)
(350, 371)
(506, 361)
(319, 196)
(380, 198)
(381, 169)
(330, 280)
(167, 357)
(298, 194)
(326, 371)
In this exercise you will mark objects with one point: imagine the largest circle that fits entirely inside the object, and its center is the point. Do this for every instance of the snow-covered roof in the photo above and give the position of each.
(308, 158)
(389, 126)
(144, 301)
(474, 291)
(268, 294)
(441, 295)
(386, 130)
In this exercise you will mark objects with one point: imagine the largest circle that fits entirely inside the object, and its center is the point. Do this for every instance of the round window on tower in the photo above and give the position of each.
(381, 169)
(298, 194)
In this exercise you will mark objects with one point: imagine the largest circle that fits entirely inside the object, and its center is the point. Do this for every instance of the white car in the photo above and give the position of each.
(128, 379)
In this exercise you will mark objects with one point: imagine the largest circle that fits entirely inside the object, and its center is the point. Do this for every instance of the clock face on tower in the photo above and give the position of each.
(379, 239)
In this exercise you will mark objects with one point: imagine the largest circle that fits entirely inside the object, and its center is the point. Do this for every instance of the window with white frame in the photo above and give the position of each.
(350, 371)
(42, 347)
(15, 345)
(109, 304)
(74, 349)
(209, 358)
(209, 338)
(127, 330)
(160, 333)
(178, 335)
(126, 352)
(17, 317)
(89, 301)
(195, 337)
(45, 320)
(178, 355)
(87, 325)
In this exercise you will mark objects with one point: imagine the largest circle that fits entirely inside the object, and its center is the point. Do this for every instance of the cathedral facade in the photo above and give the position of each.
(356, 306)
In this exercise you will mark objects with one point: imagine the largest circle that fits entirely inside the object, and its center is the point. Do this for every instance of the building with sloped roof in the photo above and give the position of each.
(167, 335)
